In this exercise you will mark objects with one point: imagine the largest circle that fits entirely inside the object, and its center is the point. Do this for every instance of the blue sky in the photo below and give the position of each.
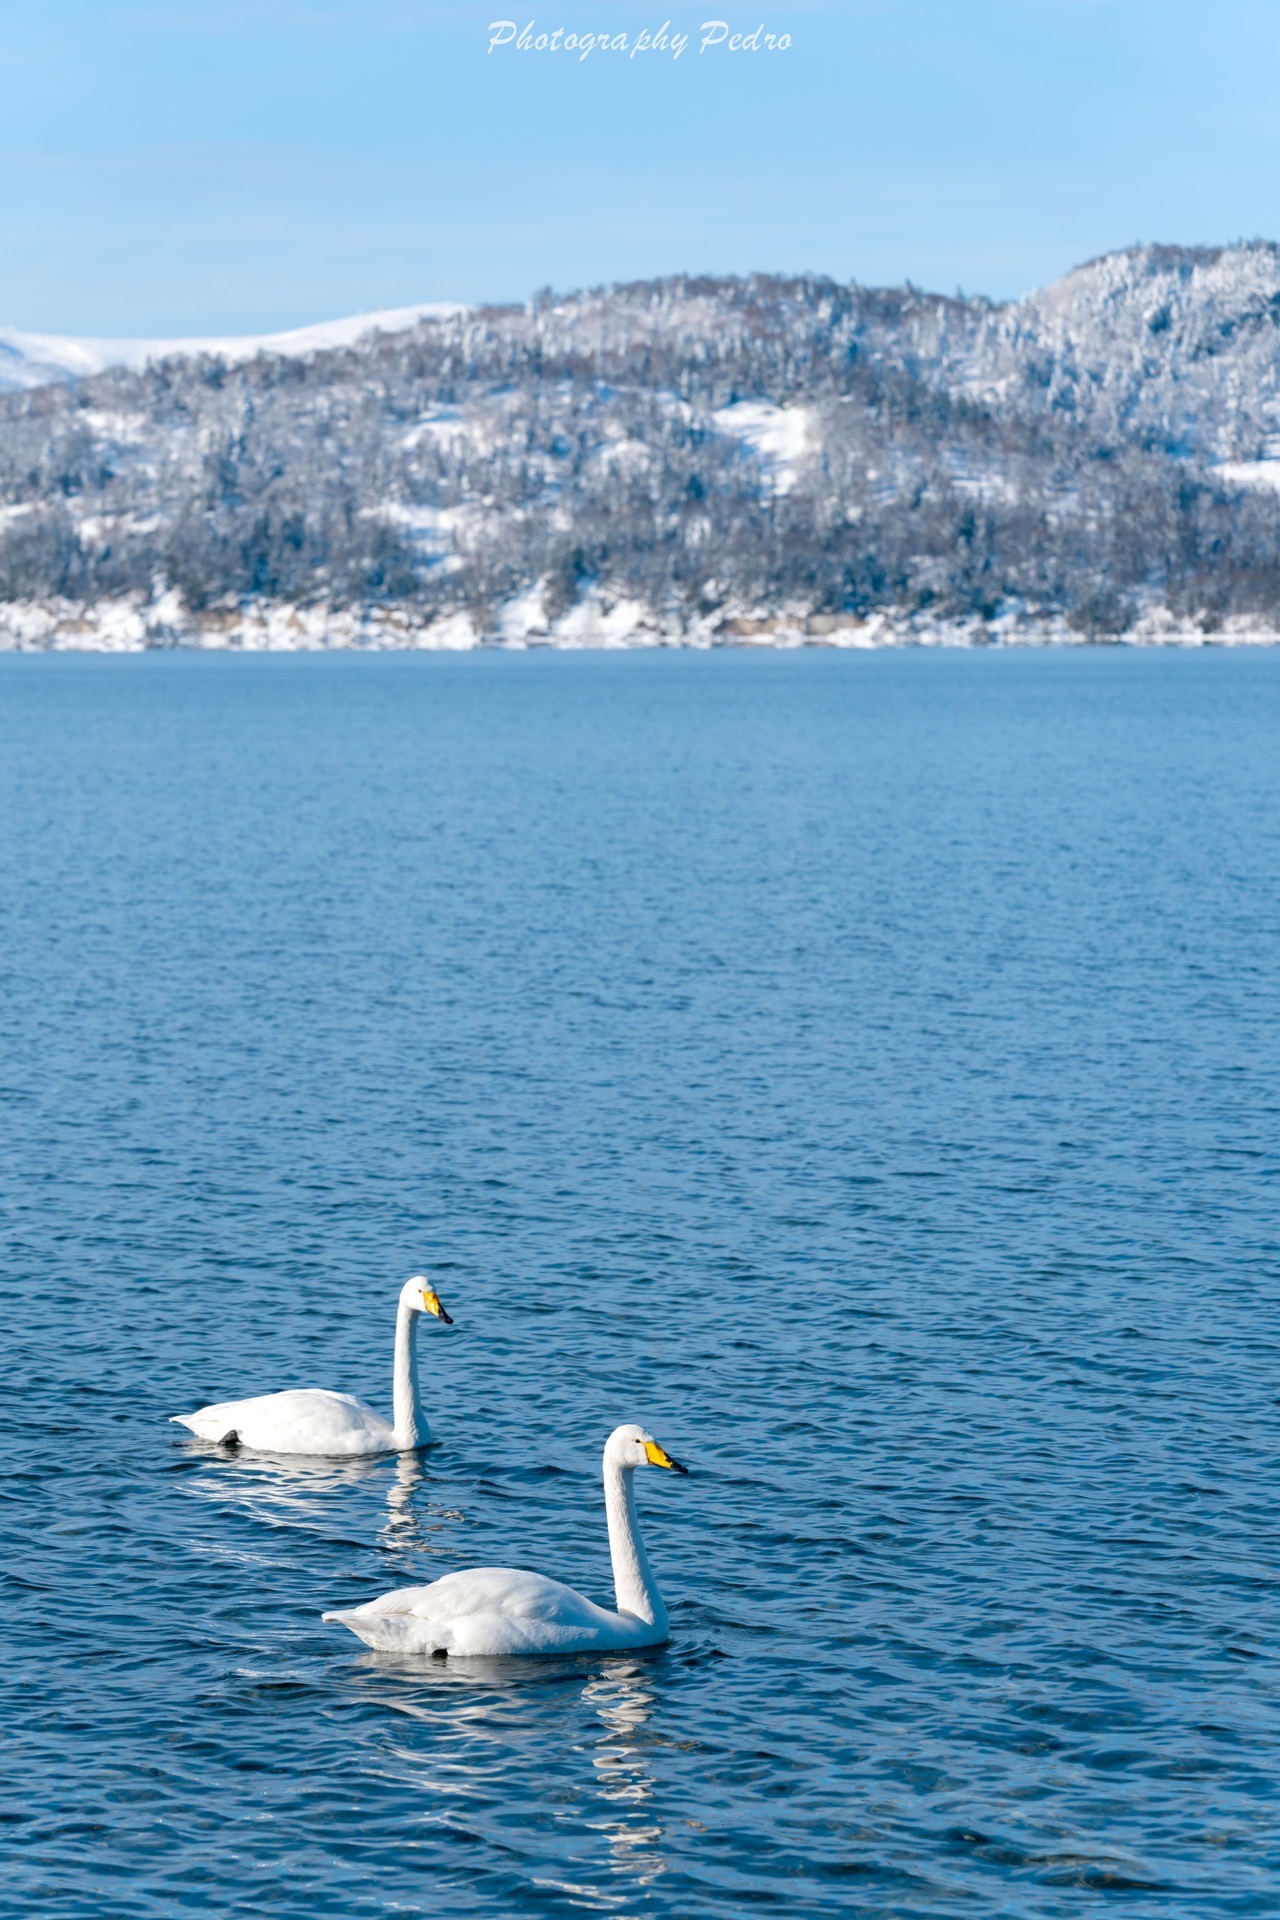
(216, 165)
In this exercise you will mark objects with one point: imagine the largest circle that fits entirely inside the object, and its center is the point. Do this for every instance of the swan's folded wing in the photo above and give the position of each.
(314, 1420)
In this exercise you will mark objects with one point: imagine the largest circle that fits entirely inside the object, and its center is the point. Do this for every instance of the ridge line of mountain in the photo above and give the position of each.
(697, 460)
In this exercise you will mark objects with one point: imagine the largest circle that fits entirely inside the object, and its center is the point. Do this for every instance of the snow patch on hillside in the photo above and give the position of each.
(1251, 473)
(781, 436)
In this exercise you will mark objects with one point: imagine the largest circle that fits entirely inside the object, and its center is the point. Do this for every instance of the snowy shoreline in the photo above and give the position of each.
(131, 626)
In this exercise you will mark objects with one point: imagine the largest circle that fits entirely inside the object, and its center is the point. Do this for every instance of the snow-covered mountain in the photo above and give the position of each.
(1180, 342)
(38, 359)
(756, 459)
(1181, 345)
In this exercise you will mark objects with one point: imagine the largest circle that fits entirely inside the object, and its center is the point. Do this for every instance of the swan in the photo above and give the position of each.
(313, 1420)
(498, 1610)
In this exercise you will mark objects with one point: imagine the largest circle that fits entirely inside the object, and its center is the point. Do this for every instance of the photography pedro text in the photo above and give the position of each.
(714, 33)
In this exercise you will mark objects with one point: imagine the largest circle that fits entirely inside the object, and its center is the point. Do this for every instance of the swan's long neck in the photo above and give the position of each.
(633, 1580)
(408, 1419)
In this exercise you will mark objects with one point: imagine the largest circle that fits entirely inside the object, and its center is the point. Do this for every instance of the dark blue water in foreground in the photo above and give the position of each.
(861, 1069)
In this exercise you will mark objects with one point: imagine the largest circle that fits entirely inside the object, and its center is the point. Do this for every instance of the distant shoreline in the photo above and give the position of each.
(127, 626)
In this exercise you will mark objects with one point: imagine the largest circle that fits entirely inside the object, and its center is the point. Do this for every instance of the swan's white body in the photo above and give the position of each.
(305, 1420)
(314, 1420)
(501, 1610)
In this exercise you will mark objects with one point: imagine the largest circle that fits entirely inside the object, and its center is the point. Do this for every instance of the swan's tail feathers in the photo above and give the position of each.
(389, 1632)
(207, 1423)
(210, 1423)
(365, 1626)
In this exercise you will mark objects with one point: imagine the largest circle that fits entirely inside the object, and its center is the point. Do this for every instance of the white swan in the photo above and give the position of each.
(313, 1420)
(497, 1610)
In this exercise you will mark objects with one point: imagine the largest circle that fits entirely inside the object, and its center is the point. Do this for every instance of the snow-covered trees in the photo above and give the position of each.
(899, 451)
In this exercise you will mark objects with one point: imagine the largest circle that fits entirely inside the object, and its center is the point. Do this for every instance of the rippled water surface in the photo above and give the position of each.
(860, 1069)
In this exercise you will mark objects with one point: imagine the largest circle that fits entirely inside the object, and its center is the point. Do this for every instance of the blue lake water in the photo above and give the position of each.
(862, 1070)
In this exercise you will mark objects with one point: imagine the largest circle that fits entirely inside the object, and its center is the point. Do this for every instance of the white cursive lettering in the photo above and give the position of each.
(656, 40)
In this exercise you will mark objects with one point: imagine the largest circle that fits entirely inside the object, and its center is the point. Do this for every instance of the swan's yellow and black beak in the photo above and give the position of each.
(432, 1302)
(659, 1457)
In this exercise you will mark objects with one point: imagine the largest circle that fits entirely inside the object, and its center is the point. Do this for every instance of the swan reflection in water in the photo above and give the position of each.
(279, 1489)
(298, 1490)
(624, 1780)
(415, 1524)
(462, 1745)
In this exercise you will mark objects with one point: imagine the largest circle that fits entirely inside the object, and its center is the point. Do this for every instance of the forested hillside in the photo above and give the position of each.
(697, 459)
